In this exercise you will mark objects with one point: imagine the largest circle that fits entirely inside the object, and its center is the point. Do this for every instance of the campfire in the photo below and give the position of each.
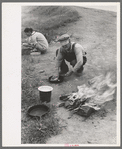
(99, 90)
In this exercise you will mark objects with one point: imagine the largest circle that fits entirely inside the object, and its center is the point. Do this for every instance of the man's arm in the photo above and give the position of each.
(27, 43)
(59, 60)
(79, 57)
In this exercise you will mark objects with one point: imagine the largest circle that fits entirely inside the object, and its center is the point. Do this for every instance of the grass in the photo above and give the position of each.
(47, 19)
(34, 130)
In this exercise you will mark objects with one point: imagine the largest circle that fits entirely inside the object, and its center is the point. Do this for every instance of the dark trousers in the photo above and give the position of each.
(64, 67)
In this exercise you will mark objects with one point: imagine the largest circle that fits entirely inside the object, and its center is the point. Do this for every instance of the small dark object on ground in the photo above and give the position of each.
(85, 111)
(63, 97)
(59, 80)
(61, 104)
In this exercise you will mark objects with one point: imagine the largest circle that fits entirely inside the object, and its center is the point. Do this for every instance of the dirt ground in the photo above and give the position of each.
(99, 128)
(96, 32)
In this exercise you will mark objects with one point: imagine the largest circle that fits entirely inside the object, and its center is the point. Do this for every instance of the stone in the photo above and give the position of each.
(85, 111)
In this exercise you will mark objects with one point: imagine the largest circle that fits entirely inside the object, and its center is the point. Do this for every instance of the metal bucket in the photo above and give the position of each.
(45, 93)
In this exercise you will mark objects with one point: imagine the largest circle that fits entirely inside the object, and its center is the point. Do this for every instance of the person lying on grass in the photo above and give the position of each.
(71, 52)
(36, 42)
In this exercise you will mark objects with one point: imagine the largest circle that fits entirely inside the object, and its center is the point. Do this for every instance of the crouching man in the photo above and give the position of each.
(72, 53)
(35, 42)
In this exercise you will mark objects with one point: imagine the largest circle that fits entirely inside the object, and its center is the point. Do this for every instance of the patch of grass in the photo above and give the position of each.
(30, 80)
(47, 19)
(35, 131)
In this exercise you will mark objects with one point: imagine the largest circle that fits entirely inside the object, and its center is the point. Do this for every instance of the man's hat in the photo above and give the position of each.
(63, 37)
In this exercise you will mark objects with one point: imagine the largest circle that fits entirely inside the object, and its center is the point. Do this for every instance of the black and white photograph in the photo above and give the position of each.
(66, 81)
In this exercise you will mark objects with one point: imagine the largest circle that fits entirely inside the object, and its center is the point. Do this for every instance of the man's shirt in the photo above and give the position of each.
(78, 52)
(37, 37)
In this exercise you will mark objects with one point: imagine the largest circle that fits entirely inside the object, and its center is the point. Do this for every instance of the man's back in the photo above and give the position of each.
(40, 38)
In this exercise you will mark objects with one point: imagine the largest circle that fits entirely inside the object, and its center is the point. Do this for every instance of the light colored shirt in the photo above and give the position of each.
(37, 37)
(79, 53)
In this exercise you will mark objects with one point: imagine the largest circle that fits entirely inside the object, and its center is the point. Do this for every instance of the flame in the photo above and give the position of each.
(100, 91)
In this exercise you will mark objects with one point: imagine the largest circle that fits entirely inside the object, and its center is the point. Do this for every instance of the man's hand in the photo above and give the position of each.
(56, 74)
(34, 50)
(31, 45)
(54, 78)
